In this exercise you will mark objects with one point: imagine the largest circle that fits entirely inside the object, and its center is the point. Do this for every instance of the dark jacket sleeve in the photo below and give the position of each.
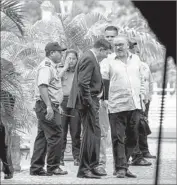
(106, 88)
(86, 68)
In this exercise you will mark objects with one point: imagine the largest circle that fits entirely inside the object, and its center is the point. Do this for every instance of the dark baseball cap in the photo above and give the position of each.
(54, 46)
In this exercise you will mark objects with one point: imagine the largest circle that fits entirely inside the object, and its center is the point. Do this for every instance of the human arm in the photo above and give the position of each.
(150, 85)
(44, 77)
(142, 83)
(64, 69)
(85, 70)
(105, 72)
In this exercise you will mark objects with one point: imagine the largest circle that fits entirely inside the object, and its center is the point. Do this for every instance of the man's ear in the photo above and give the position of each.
(51, 53)
(101, 49)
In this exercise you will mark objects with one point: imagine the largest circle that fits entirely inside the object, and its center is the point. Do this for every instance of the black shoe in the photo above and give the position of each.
(76, 162)
(141, 162)
(148, 155)
(99, 171)
(40, 173)
(59, 171)
(62, 163)
(114, 172)
(121, 173)
(8, 176)
(129, 174)
(90, 175)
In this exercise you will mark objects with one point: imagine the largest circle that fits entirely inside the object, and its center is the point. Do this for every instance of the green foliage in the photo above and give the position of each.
(82, 6)
(14, 112)
(82, 27)
(80, 30)
(11, 17)
(14, 103)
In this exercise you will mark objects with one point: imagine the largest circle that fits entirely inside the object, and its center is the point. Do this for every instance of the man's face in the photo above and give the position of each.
(56, 56)
(121, 46)
(103, 53)
(110, 35)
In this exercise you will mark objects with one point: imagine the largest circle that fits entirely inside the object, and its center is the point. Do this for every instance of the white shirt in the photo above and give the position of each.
(148, 81)
(126, 82)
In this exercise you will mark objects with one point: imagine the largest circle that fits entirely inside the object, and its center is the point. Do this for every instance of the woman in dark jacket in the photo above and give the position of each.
(71, 117)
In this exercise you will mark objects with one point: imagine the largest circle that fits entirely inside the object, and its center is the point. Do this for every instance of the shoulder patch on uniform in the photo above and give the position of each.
(47, 63)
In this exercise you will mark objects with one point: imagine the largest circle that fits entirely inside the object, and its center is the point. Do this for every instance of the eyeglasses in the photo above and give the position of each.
(118, 45)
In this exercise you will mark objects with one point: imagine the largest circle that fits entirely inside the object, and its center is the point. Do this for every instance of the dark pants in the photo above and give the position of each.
(75, 129)
(142, 144)
(124, 136)
(90, 145)
(4, 156)
(48, 140)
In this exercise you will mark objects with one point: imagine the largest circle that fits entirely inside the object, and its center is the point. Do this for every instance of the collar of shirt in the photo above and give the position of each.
(128, 58)
(52, 63)
(94, 54)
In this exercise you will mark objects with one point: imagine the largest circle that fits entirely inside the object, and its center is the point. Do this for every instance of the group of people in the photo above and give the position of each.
(107, 86)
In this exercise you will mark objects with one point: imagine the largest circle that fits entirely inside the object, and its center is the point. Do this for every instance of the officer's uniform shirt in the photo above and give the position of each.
(47, 73)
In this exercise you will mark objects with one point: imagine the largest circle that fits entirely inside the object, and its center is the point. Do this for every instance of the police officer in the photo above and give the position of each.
(49, 96)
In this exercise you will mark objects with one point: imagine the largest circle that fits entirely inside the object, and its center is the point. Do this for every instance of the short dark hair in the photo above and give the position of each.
(102, 43)
(111, 28)
(132, 44)
(72, 51)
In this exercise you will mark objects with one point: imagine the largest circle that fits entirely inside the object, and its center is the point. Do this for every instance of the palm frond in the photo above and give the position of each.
(44, 32)
(8, 39)
(80, 29)
(11, 17)
(93, 18)
(147, 43)
(15, 110)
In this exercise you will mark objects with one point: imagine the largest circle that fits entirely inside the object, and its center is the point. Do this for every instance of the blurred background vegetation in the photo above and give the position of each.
(84, 21)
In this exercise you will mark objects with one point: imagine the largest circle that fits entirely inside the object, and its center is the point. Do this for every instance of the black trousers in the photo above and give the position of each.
(4, 155)
(90, 145)
(48, 140)
(124, 134)
(75, 129)
(142, 144)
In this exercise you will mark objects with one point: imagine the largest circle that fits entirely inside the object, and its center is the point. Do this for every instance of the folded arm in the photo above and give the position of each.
(44, 78)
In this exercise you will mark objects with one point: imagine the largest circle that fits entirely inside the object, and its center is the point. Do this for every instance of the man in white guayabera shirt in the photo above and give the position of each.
(123, 69)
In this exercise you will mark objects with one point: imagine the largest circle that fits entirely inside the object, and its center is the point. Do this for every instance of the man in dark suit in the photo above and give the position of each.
(87, 89)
